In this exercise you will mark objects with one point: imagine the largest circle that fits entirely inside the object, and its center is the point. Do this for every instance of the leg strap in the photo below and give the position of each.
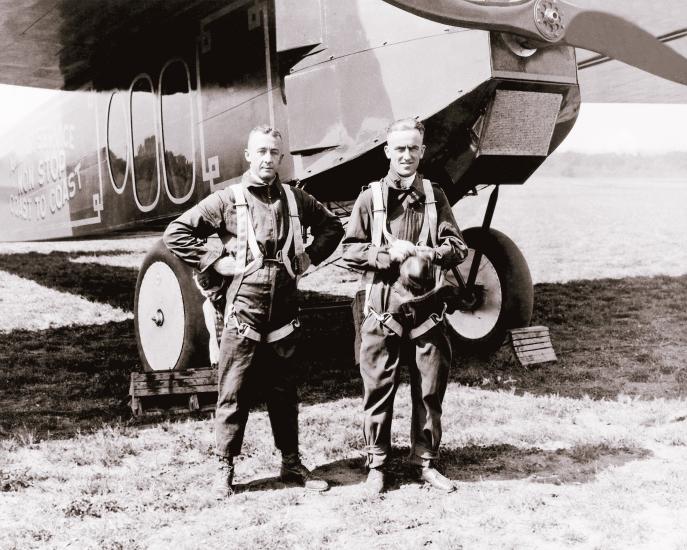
(246, 331)
(388, 321)
(433, 320)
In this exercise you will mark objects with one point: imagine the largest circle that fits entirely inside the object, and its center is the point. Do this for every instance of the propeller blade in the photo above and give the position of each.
(559, 22)
(620, 39)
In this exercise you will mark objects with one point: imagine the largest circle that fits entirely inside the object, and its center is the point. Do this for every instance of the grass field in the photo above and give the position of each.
(589, 452)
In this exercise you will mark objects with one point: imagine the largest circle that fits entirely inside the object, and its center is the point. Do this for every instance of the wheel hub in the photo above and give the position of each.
(483, 301)
(158, 318)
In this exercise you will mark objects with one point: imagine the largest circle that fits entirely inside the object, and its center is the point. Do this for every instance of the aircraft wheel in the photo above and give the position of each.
(507, 297)
(170, 331)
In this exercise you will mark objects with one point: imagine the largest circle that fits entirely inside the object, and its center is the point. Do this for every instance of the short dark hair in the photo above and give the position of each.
(406, 124)
(265, 129)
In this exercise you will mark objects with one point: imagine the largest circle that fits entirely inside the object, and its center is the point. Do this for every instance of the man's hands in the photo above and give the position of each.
(225, 266)
(400, 250)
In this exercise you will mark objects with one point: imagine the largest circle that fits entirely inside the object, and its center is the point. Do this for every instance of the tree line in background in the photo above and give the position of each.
(660, 165)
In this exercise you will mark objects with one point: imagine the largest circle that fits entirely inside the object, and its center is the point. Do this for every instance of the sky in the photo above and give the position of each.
(628, 128)
(18, 101)
(621, 128)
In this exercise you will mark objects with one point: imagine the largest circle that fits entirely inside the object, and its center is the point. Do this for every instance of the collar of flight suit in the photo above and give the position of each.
(254, 182)
(394, 182)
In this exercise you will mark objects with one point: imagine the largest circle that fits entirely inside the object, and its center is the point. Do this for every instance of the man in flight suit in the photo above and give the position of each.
(405, 199)
(255, 264)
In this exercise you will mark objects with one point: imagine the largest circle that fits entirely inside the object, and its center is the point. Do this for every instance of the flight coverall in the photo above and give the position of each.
(382, 351)
(265, 301)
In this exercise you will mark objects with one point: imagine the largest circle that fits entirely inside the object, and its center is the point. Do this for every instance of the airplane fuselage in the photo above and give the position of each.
(161, 121)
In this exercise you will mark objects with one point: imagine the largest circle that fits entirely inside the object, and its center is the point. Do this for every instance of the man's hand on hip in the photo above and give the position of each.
(301, 263)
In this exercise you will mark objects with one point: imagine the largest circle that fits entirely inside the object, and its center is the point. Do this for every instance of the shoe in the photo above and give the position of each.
(300, 474)
(223, 486)
(375, 481)
(437, 480)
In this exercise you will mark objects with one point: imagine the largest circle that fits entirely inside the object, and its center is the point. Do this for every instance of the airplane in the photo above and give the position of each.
(159, 95)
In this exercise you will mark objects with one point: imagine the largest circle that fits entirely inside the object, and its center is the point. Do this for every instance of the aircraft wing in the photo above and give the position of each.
(47, 43)
(50, 43)
(30, 44)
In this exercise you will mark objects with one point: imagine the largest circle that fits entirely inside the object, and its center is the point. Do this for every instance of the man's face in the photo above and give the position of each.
(404, 149)
(264, 155)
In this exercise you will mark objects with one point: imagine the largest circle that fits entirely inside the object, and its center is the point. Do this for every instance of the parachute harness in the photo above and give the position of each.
(379, 232)
(245, 236)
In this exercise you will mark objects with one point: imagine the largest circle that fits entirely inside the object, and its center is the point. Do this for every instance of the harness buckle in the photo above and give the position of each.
(439, 317)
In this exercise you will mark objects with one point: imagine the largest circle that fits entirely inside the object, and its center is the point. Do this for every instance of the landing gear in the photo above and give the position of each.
(170, 332)
(497, 285)
(502, 293)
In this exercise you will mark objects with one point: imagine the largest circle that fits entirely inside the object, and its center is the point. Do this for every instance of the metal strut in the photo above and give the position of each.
(488, 216)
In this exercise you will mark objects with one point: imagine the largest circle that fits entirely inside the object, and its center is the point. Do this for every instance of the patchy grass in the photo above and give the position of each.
(612, 337)
(536, 472)
(589, 452)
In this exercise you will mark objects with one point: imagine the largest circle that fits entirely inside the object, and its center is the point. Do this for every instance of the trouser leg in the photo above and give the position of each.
(428, 380)
(282, 396)
(379, 367)
(235, 391)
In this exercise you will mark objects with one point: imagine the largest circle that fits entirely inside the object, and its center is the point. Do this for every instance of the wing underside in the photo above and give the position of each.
(50, 43)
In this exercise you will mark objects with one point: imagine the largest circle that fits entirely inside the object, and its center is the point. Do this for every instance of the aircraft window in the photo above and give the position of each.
(117, 141)
(178, 142)
(144, 141)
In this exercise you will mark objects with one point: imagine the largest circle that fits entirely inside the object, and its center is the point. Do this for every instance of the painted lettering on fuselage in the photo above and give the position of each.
(43, 184)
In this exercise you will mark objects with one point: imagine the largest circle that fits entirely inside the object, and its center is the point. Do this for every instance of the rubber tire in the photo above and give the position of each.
(517, 292)
(194, 348)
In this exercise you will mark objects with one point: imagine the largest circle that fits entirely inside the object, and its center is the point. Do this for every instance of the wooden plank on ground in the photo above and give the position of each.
(532, 345)
(144, 387)
(521, 340)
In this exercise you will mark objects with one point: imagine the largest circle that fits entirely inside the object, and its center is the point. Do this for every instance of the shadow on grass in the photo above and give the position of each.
(612, 337)
(99, 283)
(576, 465)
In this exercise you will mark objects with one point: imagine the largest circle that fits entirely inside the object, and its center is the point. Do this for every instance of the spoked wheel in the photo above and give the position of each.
(503, 293)
(170, 330)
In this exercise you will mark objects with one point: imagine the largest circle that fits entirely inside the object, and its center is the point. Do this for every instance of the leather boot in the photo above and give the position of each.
(432, 476)
(375, 483)
(296, 472)
(223, 485)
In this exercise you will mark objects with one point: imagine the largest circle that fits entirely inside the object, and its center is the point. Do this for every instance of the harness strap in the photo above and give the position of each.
(430, 212)
(433, 320)
(388, 321)
(294, 233)
(246, 331)
(241, 241)
(431, 218)
(378, 223)
(282, 332)
(378, 213)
